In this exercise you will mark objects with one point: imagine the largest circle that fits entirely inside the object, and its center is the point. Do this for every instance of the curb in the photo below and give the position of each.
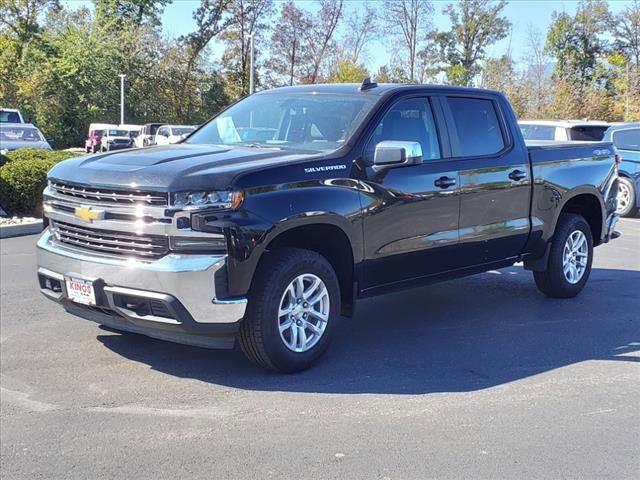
(19, 230)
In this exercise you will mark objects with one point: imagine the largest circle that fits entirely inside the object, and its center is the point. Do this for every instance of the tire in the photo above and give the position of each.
(627, 195)
(260, 337)
(554, 282)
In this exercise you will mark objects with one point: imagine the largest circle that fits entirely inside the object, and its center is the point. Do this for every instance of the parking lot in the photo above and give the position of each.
(477, 378)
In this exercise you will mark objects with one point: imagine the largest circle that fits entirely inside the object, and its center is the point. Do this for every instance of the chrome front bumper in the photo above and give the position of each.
(184, 284)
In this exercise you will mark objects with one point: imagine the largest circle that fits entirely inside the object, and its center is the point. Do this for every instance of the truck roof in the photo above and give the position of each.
(377, 90)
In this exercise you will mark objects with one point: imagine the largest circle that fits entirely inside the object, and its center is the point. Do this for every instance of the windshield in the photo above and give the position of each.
(9, 117)
(118, 133)
(24, 134)
(537, 132)
(182, 130)
(301, 121)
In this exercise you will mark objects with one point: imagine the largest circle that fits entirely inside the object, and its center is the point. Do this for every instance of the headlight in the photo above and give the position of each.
(208, 199)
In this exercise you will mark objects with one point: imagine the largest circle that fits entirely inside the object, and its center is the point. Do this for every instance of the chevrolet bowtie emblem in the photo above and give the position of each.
(88, 214)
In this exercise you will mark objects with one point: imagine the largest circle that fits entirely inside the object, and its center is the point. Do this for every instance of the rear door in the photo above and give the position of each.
(494, 179)
(411, 219)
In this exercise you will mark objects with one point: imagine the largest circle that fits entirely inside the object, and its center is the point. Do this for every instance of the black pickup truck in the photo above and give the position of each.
(271, 220)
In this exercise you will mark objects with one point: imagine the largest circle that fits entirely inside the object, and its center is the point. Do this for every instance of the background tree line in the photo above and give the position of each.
(61, 66)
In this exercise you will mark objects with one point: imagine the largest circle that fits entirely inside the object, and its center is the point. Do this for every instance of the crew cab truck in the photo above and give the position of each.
(271, 220)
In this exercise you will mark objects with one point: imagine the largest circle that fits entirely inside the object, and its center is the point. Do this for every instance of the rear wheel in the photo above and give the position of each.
(293, 306)
(626, 198)
(570, 258)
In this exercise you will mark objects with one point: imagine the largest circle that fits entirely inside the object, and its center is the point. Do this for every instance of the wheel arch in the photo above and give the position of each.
(585, 201)
(324, 234)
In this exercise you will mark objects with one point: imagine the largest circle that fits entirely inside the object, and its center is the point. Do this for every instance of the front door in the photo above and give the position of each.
(411, 212)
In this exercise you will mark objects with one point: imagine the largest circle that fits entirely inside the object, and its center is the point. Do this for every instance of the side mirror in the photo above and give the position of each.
(394, 153)
(49, 141)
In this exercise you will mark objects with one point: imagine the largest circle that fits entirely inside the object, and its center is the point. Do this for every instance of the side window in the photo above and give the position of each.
(477, 127)
(409, 120)
(628, 139)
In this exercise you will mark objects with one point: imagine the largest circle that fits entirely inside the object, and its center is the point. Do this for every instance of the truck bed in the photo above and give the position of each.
(550, 150)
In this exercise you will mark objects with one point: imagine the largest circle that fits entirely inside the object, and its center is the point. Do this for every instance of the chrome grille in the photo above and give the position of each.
(109, 242)
(106, 195)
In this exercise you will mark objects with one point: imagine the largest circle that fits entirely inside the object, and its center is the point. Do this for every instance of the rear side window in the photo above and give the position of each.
(587, 133)
(627, 139)
(538, 132)
(477, 127)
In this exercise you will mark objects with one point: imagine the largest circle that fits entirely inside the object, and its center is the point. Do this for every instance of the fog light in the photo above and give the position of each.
(199, 244)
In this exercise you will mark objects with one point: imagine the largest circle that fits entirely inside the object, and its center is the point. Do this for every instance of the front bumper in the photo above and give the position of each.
(172, 298)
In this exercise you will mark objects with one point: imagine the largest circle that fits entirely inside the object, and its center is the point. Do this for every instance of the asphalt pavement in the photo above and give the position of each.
(479, 378)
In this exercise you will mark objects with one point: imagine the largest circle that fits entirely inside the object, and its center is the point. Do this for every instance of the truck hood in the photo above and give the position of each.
(172, 167)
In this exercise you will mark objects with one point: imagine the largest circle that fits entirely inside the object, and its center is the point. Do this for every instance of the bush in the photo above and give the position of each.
(39, 154)
(23, 178)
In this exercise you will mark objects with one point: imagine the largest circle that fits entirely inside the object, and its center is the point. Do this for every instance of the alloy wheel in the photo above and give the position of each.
(575, 256)
(303, 313)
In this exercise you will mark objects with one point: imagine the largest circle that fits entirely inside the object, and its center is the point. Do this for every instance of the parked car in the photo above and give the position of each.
(133, 130)
(357, 191)
(563, 130)
(93, 141)
(10, 115)
(21, 135)
(168, 134)
(147, 135)
(115, 139)
(626, 138)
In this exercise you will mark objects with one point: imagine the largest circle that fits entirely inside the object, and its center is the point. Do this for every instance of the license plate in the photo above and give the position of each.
(81, 291)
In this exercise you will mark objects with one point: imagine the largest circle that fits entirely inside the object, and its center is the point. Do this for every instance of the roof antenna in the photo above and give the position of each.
(367, 84)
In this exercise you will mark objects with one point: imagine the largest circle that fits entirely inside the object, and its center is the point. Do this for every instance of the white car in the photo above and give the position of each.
(147, 135)
(167, 134)
(563, 130)
(115, 139)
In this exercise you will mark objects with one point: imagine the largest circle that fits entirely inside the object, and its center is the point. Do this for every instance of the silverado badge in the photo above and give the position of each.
(89, 214)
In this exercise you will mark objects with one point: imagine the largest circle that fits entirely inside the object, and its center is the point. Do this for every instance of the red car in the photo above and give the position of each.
(92, 143)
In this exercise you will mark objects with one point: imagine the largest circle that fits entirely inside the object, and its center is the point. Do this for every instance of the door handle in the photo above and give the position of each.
(445, 182)
(517, 175)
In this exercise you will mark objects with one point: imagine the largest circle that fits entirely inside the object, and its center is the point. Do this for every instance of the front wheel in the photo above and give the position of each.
(293, 306)
(570, 258)
(626, 198)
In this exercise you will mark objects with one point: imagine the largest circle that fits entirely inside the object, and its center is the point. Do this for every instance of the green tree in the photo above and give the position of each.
(408, 22)
(288, 49)
(119, 14)
(348, 71)
(476, 24)
(583, 80)
(319, 37)
(248, 20)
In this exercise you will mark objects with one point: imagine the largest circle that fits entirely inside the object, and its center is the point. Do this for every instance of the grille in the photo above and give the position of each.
(110, 242)
(108, 195)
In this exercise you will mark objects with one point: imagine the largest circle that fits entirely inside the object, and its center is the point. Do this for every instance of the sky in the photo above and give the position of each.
(177, 20)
